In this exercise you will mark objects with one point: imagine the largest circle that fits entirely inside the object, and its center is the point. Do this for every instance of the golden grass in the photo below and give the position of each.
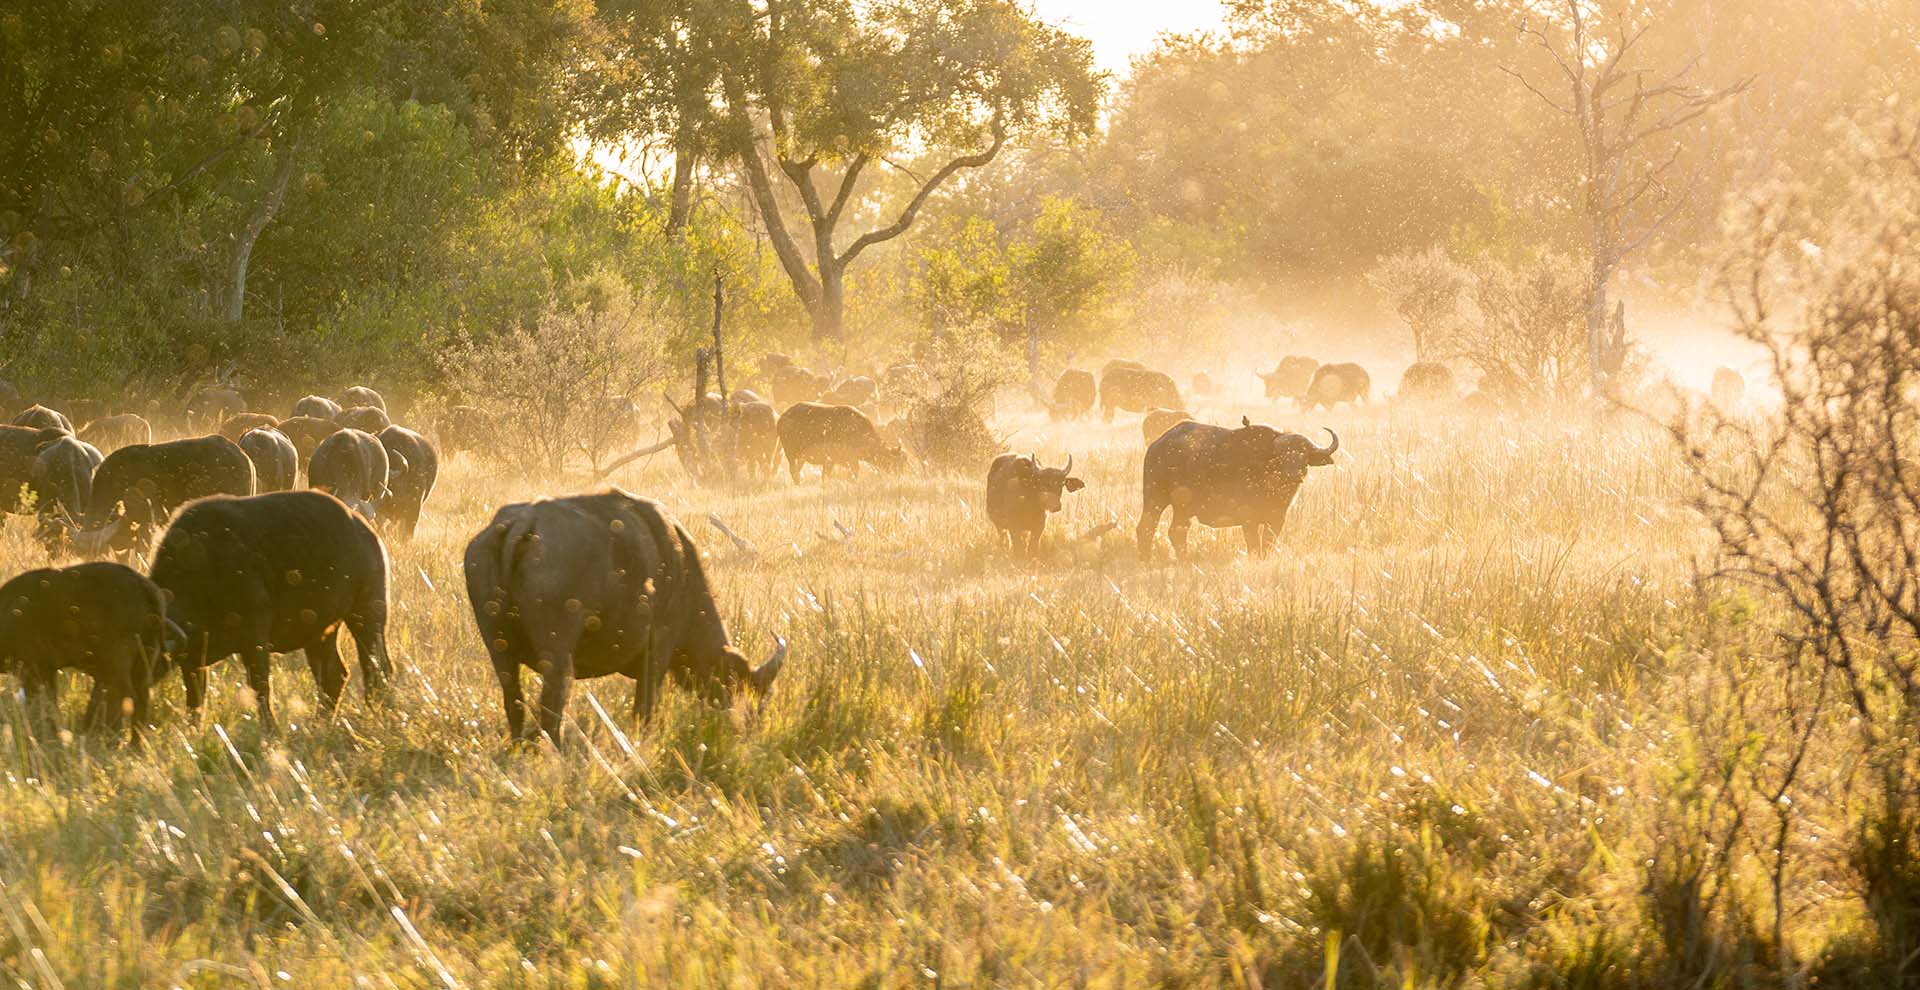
(1427, 742)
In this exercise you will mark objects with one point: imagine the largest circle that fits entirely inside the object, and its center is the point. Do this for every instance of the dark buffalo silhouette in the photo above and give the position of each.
(1134, 387)
(317, 406)
(360, 395)
(212, 405)
(1020, 493)
(366, 419)
(593, 585)
(1289, 379)
(276, 465)
(42, 418)
(105, 620)
(1428, 382)
(62, 485)
(138, 487)
(307, 433)
(413, 467)
(19, 448)
(272, 574)
(834, 437)
(793, 384)
(1224, 477)
(352, 466)
(1074, 394)
(110, 433)
(1159, 421)
(1337, 383)
(234, 427)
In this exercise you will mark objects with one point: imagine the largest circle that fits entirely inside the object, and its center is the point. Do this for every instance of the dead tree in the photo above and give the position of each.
(1625, 114)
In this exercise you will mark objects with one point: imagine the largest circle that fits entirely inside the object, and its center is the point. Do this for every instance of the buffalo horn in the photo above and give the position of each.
(763, 678)
(1334, 446)
(1069, 468)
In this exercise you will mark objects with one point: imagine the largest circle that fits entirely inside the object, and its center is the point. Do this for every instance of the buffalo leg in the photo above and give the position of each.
(259, 663)
(329, 673)
(368, 624)
(42, 691)
(140, 683)
(194, 679)
(1149, 527)
(507, 669)
(646, 693)
(794, 464)
(1177, 532)
(556, 682)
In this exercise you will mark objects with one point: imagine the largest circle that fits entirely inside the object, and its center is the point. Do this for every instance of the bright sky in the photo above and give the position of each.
(1120, 29)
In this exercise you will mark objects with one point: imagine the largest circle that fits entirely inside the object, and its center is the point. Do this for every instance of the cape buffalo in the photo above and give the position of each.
(593, 585)
(1133, 387)
(1074, 394)
(138, 487)
(856, 391)
(360, 395)
(213, 405)
(272, 574)
(413, 468)
(110, 433)
(1159, 421)
(352, 466)
(307, 433)
(276, 465)
(1427, 382)
(19, 448)
(42, 418)
(317, 406)
(1337, 383)
(793, 384)
(1289, 379)
(834, 436)
(1020, 493)
(366, 419)
(236, 426)
(106, 620)
(62, 485)
(1222, 477)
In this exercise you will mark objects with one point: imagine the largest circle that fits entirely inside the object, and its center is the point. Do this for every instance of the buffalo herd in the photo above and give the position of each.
(245, 560)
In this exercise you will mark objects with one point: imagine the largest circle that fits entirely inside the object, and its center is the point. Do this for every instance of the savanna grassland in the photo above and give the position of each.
(1467, 727)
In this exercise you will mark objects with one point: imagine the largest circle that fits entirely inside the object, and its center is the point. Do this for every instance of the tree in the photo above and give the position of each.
(817, 93)
(1425, 290)
(1628, 120)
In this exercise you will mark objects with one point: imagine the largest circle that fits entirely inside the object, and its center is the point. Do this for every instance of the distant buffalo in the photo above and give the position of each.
(272, 574)
(138, 487)
(1159, 421)
(307, 433)
(62, 484)
(593, 585)
(317, 406)
(352, 466)
(1020, 493)
(366, 419)
(834, 436)
(1133, 387)
(1336, 383)
(1290, 378)
(856, 391)
(110, 433)
(276, 464)
(413, 467)
(234, 427)
(43, 418)
(793, 384)
(1074, 395)
(19, 448)
(1245, 477)
(1428, 383)
(105, 620)
(360, 395)
(212, 405)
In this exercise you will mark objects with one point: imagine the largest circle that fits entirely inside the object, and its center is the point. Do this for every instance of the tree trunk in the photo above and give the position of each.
(1598, 358)
(829, 312)
(235, 306)
(1033, 356)
(680, 207)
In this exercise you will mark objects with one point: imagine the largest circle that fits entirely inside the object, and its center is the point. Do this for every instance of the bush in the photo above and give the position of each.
(1426, 289)
(953, 384)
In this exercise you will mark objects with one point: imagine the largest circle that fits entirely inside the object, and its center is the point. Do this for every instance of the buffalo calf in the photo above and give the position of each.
(105, 620)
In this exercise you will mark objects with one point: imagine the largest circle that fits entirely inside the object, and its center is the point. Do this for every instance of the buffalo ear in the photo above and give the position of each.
(1075, 484)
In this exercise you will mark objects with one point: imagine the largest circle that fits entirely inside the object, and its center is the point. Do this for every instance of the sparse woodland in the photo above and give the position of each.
(1568, 675)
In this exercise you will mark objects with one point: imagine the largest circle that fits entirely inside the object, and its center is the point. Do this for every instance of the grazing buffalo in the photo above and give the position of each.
(1337, 383)
(1159, 421)
(41, 418)
(307, 433)
(1020, 493)
(1133, 387)
(110, 433)
(360, 395)
(272, 574)
(1428, 383)
(1729, 389)
(413, 467)
(793, 384)
(1222, 477)
(19, 449)
(1290, 378)
(276, 464)
(236, 426)
(62, 485)
(138, 487)
(1074, 394)
(593, 585)
(856, 391)
(105, 620)
(466, 428)
(366, 419)
(317, 406)
(212, 405)
(834, 436)
(352, 466)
